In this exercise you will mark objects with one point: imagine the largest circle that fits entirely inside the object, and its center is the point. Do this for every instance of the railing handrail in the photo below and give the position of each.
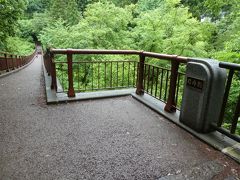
(82, 62)
(181, 59)
(228, 65)
(10, 54)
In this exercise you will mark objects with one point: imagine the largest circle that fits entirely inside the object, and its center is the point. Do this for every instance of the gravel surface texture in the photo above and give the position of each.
(115, 138)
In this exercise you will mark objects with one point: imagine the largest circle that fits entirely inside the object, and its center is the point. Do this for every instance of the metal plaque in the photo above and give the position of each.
(195, 83)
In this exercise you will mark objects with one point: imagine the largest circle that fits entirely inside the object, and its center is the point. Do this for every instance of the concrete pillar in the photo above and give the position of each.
(203, 94)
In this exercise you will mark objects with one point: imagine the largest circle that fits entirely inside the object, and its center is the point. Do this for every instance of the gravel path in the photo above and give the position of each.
(115, 138)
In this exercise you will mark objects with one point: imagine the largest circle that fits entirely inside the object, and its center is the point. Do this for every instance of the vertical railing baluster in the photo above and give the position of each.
(145, 75)
(235, 117)
(225, 97)
(117, 74)
(12, 67)
(148, 75)
(16, 61)
(61, 70)
(78, 79)
(161, 86)
(140, 86)
(98, 75)
(85, 76)
(178, 82)
(53, 71)
(6, 61)
(166, 86)
(71, 92)
(152, 80)
(111, 75)
(47, 70)
(156, 81)
(134, 75)
(171, 104)
(92, 75)
(123, 75)
(105, 75)
(128, 72)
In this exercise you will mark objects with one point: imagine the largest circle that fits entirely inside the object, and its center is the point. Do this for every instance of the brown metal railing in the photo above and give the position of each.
(98, 75)
(157, 80)
(127, 73)
(229, 118)
(9, 62)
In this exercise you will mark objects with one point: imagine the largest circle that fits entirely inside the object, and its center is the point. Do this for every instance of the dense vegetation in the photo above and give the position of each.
(196, 28)
(190, 28)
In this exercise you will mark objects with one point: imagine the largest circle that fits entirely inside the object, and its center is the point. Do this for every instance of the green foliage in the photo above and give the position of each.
(10, 12)
(55, 35)
(36, 6)
(82, 4)
(123, 3)
(20, 46)
(100, 28)
(65, 10)
(227, 56)
(149, 5)
(39, 22)
(170, 29)
(209, 8)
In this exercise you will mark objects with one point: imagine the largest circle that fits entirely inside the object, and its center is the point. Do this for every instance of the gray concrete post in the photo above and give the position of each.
(203, 93)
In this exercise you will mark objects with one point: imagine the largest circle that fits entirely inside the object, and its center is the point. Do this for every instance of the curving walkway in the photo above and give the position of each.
(102, 139)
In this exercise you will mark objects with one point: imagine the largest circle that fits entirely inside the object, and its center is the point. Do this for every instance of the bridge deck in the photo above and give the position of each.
(100, 139)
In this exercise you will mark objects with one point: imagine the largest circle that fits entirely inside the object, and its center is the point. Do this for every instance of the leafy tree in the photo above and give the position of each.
(18, 45)
(65, 10)
(208, 8)
(36, 6)
(82, 5)
(149, 5)
(10, 12)
(170, 29)
(104, 26)
(123, 3)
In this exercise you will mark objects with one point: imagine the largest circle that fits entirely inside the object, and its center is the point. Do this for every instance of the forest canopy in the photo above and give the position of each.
(196, 28)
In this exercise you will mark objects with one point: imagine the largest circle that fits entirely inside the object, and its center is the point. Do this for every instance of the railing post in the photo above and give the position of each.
(6, 61)
(235, 117)
(16, 61)
(225, 98)
(12, 61)
(47, 62)
(71, 92)
(21, 61)
(140, 87)
(171, 104)
(53, 71)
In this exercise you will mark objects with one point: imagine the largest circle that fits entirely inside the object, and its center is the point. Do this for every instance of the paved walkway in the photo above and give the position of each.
(102, 139)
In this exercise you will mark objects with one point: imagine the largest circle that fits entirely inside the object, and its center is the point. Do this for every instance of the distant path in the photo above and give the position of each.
(102, 139)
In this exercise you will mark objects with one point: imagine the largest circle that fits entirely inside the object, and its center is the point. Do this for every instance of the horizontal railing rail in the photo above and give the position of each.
(229, 118)
(181, 59)
(125, 75)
